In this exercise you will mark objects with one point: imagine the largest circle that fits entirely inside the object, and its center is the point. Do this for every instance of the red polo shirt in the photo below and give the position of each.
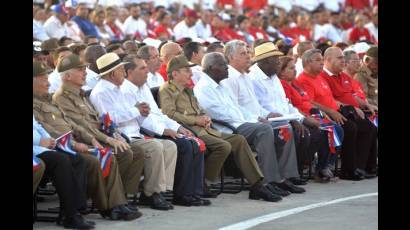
(357, 88)
(341, 87)
(297, 96)
(254, 4)
(358, 34)
(358, 4)
(318, 89)
(296, 32)
(254, 31)
(163, 71)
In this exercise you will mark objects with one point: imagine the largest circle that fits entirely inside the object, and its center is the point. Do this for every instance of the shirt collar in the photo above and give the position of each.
(233, 72)
(328, 72)
(109, 85)
(258, 70)
(179, 88)
(210, 81)
(71, 88)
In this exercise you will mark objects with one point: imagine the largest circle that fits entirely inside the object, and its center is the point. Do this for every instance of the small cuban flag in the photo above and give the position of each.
(333, 137)
(199, 142)
(104, 156)
(108, 126)
(284, 133)
(64, 143)
(327, 125)
(36, 163)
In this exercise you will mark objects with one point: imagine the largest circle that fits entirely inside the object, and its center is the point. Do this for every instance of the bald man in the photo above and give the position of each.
(167, 52)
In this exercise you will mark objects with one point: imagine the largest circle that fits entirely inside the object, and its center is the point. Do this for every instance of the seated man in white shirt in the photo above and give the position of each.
(271, 96)
(241, 88)
(194, 52)
(186, 27)
(150, 55)
(160, 155)
(189, 172)
(134, 25)
(220, 104)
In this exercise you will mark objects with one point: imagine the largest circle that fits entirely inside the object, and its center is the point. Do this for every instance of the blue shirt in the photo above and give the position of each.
(38, 133)
(86, 26)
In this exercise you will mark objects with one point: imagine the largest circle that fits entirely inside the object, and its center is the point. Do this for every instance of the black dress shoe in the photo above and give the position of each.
(156, 201)
(183, 201)
(258, 191)
(276, 190)
(76, 222)
(289, 186)
(351, 176)
(365, 174)
(132, 206)
(124, 213)
(197, 201)
(297, 181)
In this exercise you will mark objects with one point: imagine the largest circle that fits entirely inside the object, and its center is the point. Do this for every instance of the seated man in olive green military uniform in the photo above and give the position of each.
(107, 193)
(368, 73)
(71, 100)
(178, 102)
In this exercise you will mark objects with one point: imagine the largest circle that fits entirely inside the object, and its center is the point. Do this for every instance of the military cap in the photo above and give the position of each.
(39, 68)
(72, 61)
(49, 44)
(178, 62)
(373, 52)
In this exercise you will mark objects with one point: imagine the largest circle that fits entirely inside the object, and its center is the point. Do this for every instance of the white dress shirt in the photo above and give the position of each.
(197, 73)
(327, 31)
(154, 80)
(54, 28)
(203, 31)
(218, 102)
(181, 30)
(374, 31)
(38, 31)
(270, 93)
(156, 120)
(107, 97)
(243, 93)
(54, 78)
(131, 26)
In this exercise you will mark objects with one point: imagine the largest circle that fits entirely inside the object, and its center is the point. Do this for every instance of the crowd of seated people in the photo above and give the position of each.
(134, 96)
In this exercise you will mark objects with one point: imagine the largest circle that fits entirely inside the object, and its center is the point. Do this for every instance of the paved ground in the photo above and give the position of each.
(228, 209)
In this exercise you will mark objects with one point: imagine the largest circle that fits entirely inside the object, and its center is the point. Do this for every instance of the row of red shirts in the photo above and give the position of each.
(323, 89)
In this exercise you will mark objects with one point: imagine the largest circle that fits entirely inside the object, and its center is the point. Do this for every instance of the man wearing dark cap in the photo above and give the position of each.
(186, 27)
(107, 193)
(178, 102)
(368, 75)
(71, 100)
(48, 47)
(66, 170)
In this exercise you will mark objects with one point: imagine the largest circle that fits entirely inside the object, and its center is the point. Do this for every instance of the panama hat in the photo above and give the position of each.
(109, 62)
(265, 50)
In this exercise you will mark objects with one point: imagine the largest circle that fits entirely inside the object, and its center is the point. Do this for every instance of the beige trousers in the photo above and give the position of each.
(159, 164)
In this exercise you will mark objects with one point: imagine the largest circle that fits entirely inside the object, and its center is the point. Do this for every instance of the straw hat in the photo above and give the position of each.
(265, 50)
(109, 62)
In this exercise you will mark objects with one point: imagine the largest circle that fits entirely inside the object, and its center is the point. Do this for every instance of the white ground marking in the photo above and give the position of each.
(276, 215)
